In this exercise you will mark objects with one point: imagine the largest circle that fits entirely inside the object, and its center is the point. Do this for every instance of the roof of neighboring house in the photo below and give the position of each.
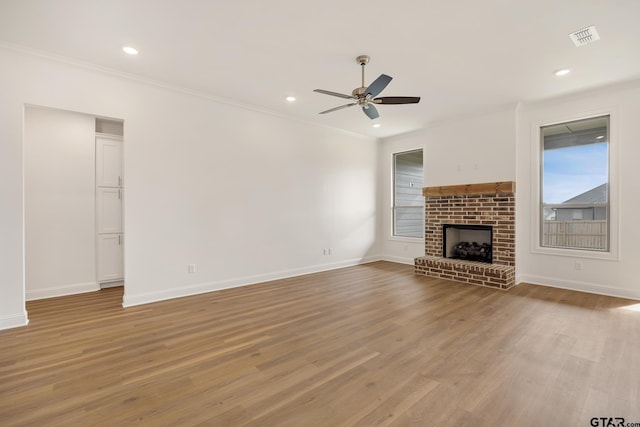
(595, 195)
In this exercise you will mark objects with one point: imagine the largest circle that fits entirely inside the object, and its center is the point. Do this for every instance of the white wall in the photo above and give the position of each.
(59, 173)
(471, 150)
(465, 150)
(612, 275)
(246, 196)
(12, 308)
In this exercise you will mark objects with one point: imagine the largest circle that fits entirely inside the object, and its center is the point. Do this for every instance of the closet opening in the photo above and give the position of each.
(109, 202)
(73, 202)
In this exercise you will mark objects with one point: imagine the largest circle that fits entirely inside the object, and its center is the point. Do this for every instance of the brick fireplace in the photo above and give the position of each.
(488, 204)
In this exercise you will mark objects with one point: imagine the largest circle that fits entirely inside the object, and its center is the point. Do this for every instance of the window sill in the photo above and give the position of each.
(576, 253)
(406, 239)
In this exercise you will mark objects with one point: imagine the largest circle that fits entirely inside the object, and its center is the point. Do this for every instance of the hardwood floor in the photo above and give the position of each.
(363, 346)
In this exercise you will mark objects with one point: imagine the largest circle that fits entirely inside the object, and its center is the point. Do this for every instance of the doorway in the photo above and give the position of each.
(65, 252)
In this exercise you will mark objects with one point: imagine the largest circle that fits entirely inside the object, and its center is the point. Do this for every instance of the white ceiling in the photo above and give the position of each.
(460, 56)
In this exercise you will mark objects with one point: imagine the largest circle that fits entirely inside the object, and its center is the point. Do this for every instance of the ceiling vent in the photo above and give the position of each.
(584, 36)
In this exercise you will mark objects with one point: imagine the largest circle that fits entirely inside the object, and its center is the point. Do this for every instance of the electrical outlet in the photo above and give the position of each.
(192, 268)
(578, 265)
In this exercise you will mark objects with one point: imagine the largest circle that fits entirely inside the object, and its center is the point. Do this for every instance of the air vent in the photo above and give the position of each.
(584, 36)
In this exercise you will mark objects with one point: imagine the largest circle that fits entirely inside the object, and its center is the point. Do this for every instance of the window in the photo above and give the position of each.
(408, 203)
(575, 185)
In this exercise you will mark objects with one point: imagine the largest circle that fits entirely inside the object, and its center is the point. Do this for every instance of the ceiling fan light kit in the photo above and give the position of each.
(365, 96)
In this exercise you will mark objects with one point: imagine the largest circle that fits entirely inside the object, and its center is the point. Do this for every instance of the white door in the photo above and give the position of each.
(110, 257)
(108, 162)
(109, 210)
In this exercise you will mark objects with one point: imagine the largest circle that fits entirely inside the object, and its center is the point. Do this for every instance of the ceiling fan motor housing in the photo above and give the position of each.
(358, 91)
(363, 59)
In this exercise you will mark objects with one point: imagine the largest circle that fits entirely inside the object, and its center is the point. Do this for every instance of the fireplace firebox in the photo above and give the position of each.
(468, 242)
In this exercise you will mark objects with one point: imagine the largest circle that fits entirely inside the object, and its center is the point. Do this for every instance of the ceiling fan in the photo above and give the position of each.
(366, 96)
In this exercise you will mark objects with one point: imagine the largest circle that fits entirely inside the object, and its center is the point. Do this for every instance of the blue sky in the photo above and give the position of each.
(573, 170)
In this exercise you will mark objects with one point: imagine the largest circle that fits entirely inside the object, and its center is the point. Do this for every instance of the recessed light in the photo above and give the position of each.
(291, 98)
(376, 125)
(130, 50)
(562, 72)
(600, 137)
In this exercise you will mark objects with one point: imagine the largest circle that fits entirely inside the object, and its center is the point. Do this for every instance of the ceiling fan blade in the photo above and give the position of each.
(338, 108)
(378, 85)
(370, 111)
(397, 100)
(339, 95)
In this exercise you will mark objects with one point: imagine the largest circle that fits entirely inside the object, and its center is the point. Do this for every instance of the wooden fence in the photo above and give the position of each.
(576, 234)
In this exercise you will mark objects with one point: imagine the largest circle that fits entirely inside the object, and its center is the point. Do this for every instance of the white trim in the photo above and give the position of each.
(614, 211)
(406, 239)
(58, 291)
(201, 288)
(575, 285)
(574, 253)
(110, 136)
(14, 321)
(113, 284)
(398, 260)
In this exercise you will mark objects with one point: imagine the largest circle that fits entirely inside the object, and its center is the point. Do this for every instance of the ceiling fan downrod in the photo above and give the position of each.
(363, 60)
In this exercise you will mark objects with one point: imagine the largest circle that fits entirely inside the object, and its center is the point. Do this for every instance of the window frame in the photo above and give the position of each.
(392, 235)
(537, 149)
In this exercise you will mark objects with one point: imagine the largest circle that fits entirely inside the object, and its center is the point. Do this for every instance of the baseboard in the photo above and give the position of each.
(201, 288)
(115, 284)
(397, 259)
(580, 286)
(14, 321)
(59, 291)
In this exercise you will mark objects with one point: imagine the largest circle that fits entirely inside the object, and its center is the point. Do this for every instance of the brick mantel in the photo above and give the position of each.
(491, 204)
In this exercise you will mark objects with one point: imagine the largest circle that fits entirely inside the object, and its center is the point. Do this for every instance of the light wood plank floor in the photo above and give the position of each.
(363, 346)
